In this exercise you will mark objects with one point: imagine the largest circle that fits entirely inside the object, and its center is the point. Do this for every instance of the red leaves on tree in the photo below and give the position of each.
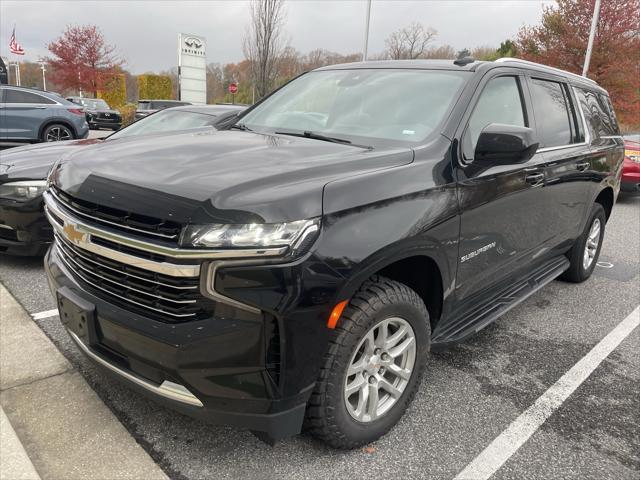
(561, 41)
(81, 57)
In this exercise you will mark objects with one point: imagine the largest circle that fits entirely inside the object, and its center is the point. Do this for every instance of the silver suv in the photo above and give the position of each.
(30, 115)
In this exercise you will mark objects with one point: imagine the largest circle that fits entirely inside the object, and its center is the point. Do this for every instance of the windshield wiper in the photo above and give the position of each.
(324, 138)
(240, 126)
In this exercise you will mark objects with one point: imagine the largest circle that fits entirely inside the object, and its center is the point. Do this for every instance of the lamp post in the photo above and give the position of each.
(44, 77)
(366, 32)
(592, 35)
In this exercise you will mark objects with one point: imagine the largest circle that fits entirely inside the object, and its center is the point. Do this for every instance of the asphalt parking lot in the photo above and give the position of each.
(469, 396)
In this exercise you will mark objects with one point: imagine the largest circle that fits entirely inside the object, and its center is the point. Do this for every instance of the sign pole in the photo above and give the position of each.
(592, 35)
(366, 32)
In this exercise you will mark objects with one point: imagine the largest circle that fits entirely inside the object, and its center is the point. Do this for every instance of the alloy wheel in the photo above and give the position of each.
(380, 369)
(591, 246)
(58, 133)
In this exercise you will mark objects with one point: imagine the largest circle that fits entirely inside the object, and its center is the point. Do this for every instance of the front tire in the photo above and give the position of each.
(57, 132)
(586, 250)
(373, 365)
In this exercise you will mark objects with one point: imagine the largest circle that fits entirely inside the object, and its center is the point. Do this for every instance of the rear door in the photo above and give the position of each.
(607, 146)
(503, 220)
(24, 113)
(567, 156)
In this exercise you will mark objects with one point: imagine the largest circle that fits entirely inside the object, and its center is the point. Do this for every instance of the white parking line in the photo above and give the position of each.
(45, 314)
(516, 434)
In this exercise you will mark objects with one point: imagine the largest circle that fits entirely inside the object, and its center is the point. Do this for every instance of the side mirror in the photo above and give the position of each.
(500, 144)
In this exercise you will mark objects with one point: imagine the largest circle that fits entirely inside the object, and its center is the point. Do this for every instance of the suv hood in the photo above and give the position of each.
(33, 162)
(217, 176)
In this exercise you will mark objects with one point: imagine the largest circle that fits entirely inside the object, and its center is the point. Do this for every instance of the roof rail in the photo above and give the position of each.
(534, 64)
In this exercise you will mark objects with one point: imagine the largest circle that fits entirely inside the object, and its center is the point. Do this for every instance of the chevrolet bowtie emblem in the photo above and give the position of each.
(72, 233)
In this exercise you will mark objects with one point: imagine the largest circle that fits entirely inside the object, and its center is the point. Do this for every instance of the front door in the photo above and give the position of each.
(503, 221)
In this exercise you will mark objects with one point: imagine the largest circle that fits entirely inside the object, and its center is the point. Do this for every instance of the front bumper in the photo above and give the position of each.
(24, 229)
(221, 361)
(113, 125)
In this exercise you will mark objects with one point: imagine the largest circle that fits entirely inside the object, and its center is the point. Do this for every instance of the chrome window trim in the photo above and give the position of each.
(169, 390)
(179, 253)
(6, 88)
(545, 67)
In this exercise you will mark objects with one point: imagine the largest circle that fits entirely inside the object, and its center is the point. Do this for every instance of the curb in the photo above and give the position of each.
(56, 426)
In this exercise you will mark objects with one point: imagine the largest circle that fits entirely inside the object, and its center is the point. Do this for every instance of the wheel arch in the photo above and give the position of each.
(53, 121)
(420, 271)
(606, 199)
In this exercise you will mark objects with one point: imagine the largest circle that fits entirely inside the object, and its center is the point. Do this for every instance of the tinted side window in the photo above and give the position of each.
(18, 96)
(607, 107)
(552, 113)
(596, 110)
(590, 117)
(499, 102)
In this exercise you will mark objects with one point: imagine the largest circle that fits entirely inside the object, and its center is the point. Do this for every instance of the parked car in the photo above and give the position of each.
(30, 115)
(98, 112)
(631, 169)
(298, 267)
(24, 229)
(147, 107)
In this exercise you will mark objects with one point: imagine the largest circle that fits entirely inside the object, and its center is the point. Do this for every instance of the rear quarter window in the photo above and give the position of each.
(598, 112)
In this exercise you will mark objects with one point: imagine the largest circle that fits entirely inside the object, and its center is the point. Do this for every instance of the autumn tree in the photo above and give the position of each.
(410, 42)
(560, 40)
(507, 49)
(80, 56)
(263, 43)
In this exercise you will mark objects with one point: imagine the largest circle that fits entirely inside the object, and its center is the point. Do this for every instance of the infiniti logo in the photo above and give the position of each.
(193, 42)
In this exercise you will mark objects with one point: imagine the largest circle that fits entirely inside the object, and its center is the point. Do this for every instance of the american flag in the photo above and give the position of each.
(14, 46)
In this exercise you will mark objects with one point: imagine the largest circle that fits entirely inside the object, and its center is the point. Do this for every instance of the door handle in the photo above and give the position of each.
(582, 166)
(41, 108)
(534, 178)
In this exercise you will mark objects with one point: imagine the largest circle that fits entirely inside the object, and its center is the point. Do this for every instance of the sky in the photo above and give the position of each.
(146, 32)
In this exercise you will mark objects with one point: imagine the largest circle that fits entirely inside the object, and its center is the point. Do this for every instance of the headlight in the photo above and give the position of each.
(23, 191)
(256, 235)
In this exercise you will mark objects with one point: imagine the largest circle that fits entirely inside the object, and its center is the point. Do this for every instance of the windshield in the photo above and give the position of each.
(165, 121)
(365, 106)
(94, 104)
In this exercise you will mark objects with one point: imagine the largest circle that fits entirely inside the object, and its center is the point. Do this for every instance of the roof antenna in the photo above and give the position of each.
(461, 62)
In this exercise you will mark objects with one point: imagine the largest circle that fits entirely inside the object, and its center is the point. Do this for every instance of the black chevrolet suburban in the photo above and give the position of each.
(295, 270)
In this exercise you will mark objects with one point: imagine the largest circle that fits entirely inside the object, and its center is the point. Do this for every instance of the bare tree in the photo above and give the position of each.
(409, 42)
(263, 43)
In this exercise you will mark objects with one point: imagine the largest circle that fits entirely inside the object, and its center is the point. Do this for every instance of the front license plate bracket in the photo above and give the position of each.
(77, 315)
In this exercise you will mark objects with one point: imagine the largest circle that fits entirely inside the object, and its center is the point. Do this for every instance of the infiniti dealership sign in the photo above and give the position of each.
(192, 68)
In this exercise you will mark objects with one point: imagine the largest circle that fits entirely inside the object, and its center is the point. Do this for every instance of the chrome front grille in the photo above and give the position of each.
(120, 219)
(145, 275)
(152, 294)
